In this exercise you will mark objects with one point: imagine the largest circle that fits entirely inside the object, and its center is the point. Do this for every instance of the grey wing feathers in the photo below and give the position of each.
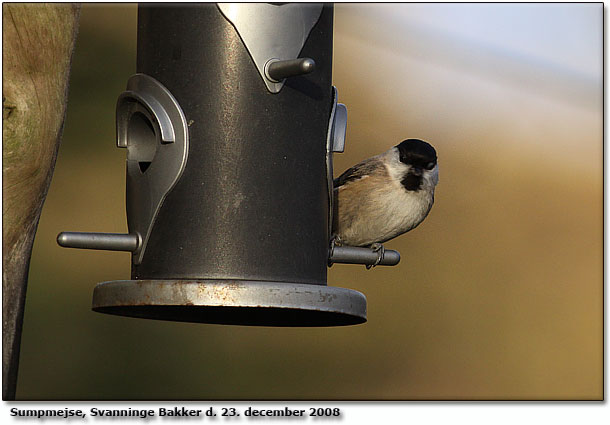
(358, 171)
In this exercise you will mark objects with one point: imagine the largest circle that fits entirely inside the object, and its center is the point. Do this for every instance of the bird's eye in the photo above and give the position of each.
(429, 165)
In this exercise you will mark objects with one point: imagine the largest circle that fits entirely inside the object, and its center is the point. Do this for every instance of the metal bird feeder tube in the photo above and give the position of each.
(251, 203)
(226, 126)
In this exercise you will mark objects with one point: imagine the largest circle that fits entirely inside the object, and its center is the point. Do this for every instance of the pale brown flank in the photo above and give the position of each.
(346, 212)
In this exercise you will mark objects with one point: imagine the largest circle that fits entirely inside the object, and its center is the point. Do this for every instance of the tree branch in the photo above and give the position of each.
(38, 42)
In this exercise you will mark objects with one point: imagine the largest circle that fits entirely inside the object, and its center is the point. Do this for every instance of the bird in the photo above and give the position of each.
(384, 196)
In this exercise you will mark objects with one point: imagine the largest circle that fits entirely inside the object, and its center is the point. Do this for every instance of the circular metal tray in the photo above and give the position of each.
(235, 302)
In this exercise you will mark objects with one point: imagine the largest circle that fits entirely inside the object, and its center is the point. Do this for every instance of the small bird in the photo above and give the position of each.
(384, 196)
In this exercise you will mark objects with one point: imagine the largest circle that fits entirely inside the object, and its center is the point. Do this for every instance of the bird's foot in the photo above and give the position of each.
(380, 250)
(334, 241)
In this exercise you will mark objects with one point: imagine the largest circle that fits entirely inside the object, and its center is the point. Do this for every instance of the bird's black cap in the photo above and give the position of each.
(416, 152)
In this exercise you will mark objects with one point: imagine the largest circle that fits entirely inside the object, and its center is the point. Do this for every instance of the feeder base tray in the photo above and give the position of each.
(234, 302)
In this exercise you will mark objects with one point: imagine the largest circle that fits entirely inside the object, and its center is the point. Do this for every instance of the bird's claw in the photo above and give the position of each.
(334, 241)
(380, 250)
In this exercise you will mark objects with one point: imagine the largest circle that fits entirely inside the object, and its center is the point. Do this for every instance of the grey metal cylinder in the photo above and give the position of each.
(107, 241)
(279, 70)
(252, 201)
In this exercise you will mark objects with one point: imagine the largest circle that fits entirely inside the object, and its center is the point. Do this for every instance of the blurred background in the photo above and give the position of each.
(499, 292)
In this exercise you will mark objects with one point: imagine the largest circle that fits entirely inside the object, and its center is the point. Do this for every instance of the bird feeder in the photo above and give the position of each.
(229, 126)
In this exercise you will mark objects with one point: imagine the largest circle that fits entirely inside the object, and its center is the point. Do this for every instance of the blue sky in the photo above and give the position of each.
(566, 35)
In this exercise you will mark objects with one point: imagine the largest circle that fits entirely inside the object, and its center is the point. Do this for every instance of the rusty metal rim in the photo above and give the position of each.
(232, 302)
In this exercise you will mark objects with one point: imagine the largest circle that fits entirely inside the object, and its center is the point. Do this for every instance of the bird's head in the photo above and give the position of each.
(421, 168)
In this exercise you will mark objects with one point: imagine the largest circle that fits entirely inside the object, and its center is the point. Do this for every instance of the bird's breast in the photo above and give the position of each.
(379, 214)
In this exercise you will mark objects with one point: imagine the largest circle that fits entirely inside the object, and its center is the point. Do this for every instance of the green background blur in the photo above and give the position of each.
(498, 294)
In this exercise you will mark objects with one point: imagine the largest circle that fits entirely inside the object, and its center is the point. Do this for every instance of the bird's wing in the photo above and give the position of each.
(362, 169)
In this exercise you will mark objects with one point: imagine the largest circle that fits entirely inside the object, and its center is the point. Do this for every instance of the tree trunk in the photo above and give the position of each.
(38, 40)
